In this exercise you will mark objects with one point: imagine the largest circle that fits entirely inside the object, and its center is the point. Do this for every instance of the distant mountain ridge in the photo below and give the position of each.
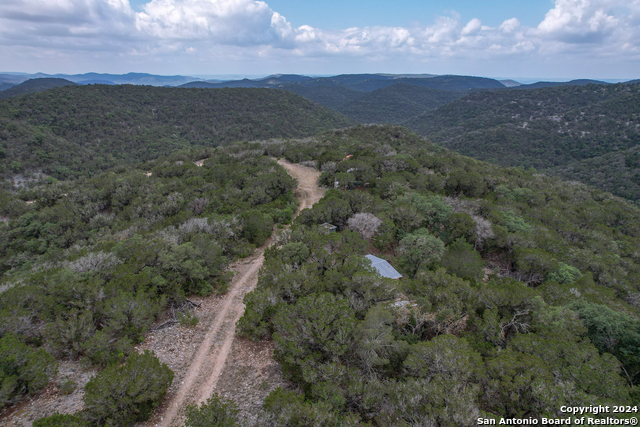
(361, 82)
(33, 86)
(578, 82)
(129, 78)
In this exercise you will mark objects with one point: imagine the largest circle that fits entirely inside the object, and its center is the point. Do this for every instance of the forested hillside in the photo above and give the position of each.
(520, 292)
(396, 104)
(77, 130)
(329, 96)
(565, 130)
(437, 82)
(579, 82)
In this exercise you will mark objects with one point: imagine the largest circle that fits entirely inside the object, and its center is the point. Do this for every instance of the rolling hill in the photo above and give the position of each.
(33, 86)
(578, 82)
(548, 129)
(81, 129)
(129, 78)
(367, 98)
(329, 96)
(397, 103)
(439, 82)
(361, 82)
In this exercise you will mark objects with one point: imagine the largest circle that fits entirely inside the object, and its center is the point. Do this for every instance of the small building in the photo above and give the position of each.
(329, 227)
(383, 267)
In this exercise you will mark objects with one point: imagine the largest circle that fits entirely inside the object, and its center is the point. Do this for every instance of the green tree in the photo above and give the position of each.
(564, 274)
(317, 329)
(376, 344)
(257, 227)
(613, 332)
(420, 249)
(289, 409)
(519, 384)
(461, 259)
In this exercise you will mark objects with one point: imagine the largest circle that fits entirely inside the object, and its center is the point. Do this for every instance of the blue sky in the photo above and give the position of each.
(499, 38)
(337, 14)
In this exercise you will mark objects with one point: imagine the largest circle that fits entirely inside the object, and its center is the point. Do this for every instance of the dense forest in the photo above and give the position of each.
(568, 130)
(79, 130)
(330, 96)
(520, 293)
(395, 104)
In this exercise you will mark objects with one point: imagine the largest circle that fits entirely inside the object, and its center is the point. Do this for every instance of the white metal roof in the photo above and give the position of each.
(383, 267)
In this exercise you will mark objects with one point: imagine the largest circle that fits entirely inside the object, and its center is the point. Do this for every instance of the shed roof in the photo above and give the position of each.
(383, 267)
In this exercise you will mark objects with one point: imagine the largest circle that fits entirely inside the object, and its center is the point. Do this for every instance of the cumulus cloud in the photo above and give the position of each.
(251, 29)
(510, 25)
(579, 21)
(236, 22)
(472, 27)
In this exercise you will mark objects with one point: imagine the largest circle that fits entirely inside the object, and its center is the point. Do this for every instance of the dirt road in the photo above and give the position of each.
(206, 358)
(308, 191)
(200, 361)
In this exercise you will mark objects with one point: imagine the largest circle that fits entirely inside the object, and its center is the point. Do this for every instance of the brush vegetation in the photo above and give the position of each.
(515, 284)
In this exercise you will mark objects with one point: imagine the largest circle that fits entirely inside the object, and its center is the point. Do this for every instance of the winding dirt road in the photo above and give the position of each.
(207, 363)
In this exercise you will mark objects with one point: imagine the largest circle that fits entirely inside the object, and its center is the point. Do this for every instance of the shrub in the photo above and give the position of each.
(123, 395)
(257, 227)
(215, 412)
(188, 319)
(68, 387)
(61, 420)
(23, 370)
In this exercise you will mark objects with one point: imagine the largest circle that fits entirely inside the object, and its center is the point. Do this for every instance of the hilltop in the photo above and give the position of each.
(34, 86)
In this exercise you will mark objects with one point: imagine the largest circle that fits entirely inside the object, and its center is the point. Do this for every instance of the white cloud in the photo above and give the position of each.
(472, 27)
(510, 25)
(244, 30)
(579, 21)
(235, 22)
